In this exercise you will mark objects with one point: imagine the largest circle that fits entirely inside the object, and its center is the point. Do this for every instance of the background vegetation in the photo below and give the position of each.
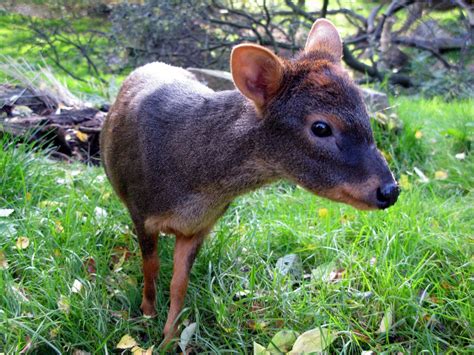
(69, 263)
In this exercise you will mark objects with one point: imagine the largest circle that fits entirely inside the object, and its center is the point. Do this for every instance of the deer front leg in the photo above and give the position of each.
(186, 249)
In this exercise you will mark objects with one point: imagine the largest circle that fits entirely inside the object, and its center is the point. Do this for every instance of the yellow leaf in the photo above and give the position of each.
(28, 196)
(312, 341)
(404, 182)
(58, 227)
(323, 212)
(83, 137)
(136, 350)
(3, 261)
(418, 134)
(22, 243)
(441, 175)
(259, 349)
(126, 342)
(282, 341)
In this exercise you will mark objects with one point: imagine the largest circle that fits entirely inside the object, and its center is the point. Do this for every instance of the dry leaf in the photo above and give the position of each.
(76, 286)
(58, 227)
(421, 175)
(323, 212)
(140, 351)
(460, 156)
(441, 175)
(186, 336)
(387, 321)
(5, 212)
(64, 304)
(100, 213)
(80, 352)
(27, 345)
(89, 265)
(22, 243)
(313, 341)
(126, 342)
(3, 261)
(83, 137)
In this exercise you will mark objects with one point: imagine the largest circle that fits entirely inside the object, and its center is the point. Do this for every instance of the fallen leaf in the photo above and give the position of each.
(126, 342)
(315, 340)
(387, 321)
(418, 134)
(53, 333)
(58, 227)
(27, 345)
(290, 265)
(100, 213)
(83, 137)
(51, 204)
(64, 304)
(139, 351)
(186, 336)
(327, 272)
(22, 243)
(283, 341)
(119, 256)
(259, 349)
(28, 196)
(89, 265)
(367, 352)
(80, 352)
(421, 175)
(256, 325)
(5, 212)
(323, 212)
(76, 286)
(460, 156)
(441, 175)
(3, 261)
(404, 182)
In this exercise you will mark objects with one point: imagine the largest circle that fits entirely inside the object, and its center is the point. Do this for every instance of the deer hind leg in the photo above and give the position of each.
(148, 245)
(186, 249)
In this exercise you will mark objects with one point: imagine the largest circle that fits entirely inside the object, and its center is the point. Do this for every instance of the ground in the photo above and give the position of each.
(70, 266)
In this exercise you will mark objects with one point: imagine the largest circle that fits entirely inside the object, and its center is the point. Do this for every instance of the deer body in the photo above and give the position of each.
(177, 153)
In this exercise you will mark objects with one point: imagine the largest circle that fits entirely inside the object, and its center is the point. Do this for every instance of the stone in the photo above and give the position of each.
(217, 80)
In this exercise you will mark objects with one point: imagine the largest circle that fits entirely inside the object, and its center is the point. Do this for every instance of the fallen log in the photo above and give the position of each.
(69, 133)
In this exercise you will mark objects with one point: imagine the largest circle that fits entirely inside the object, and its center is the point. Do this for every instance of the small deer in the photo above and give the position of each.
(177, 153)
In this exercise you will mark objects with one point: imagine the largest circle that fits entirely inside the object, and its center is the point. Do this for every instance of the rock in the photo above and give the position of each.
(375, 100)
(217, 80)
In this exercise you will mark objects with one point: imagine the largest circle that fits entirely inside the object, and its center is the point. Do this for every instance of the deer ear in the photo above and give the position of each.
(256, 71)
(324, 37)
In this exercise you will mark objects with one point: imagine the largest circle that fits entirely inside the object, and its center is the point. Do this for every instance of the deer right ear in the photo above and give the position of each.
(256, 71)
(325, 37)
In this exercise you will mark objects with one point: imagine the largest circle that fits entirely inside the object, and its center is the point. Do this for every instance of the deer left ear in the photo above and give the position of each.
(324, 37)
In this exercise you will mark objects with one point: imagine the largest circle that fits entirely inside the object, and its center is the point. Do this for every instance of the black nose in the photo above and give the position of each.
(387, 195)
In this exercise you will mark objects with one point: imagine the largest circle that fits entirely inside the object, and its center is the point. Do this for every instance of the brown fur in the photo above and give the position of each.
(178, 153)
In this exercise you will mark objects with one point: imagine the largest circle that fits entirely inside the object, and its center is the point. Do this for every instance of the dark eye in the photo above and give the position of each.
(321, 129)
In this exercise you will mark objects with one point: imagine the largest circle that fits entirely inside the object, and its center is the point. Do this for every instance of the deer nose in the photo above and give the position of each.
(387, 195)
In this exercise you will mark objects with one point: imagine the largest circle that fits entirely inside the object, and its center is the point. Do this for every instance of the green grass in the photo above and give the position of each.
(414, 259)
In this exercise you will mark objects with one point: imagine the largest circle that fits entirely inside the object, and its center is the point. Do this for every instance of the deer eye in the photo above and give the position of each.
(321, 129)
